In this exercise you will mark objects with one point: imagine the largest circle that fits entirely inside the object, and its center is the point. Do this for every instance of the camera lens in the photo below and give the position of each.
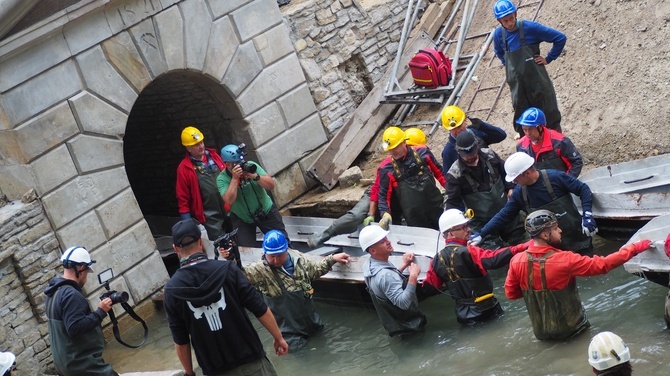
(119, 297)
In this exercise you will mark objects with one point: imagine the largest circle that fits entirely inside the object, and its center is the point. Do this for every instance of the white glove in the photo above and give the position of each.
(475, 239)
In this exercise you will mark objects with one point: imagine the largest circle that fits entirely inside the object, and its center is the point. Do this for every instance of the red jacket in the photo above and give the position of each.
(374, 190)
(561, 268)
(553, 143)
(188, 188)
(479, 256)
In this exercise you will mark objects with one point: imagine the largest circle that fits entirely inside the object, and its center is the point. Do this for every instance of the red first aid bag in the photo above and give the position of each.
(430, 68)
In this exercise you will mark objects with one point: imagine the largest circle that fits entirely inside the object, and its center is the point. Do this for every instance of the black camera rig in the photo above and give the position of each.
(120, 297)
(246, 166)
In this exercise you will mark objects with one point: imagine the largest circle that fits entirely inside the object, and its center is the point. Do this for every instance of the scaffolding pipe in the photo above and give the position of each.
(485, 47)
(454, 10)
(461, 36)
(393, 81)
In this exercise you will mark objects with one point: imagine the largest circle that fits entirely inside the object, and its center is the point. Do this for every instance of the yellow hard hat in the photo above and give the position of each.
(452, 117)
(393, 136)
(415, 137)
(191, 136)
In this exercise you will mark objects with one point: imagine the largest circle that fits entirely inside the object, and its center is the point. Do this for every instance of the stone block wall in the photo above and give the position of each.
(29, 258)
(344, 50)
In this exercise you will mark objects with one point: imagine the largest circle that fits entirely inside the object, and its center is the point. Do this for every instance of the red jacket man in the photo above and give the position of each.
(464, 270)
(551, 149)
(197, 194)
(545, 277)
(409, 175)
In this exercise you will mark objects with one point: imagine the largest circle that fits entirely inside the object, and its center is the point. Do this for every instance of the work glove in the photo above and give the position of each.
(369, 219)
(385, 221)
(589, 227)
(475, 239)
(475, 122)
(639, 247)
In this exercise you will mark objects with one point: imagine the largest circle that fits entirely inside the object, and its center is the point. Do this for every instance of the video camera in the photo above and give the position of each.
(117, 297)
(246, 166)
(228, 241)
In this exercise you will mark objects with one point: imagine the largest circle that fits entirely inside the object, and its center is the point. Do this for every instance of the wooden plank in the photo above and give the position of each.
(363, 124)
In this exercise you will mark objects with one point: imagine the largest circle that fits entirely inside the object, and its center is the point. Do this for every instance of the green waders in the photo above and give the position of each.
(76, 356)
(420, 199)
(398, 321)
(212, 203)
(555, 314)
(295, 314)
(529, 83)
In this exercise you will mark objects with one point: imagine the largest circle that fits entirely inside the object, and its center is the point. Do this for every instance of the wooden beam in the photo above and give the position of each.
(370, 115)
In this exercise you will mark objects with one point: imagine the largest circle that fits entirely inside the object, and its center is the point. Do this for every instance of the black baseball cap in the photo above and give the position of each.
(185, 232)
(466, 144)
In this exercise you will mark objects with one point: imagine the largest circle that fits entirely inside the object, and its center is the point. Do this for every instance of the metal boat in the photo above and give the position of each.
(652, 264)
(344, 284)
(627, 195)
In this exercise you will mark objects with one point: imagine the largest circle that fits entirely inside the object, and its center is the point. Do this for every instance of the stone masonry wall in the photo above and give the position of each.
(344, 50)
(29, 254)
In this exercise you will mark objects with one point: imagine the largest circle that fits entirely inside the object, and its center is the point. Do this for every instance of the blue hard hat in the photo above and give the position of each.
(230, 153)
(503, 8)
(532, 117)
(274, 242)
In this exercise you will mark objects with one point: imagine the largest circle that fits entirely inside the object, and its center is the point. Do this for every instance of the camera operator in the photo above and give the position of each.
(75, 333)
(244, 185)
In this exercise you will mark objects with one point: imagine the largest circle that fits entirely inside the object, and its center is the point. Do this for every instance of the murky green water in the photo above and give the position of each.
(354, 343)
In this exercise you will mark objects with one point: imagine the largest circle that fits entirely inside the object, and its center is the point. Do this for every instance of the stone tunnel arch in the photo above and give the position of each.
(152, 148)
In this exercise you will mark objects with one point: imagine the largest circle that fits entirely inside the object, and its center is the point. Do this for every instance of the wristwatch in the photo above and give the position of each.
(258, 177)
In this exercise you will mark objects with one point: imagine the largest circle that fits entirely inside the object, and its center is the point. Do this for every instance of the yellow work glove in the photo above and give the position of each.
(369, 219)
(386, 221)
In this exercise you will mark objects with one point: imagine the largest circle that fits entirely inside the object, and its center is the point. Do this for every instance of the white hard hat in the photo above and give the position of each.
(74, 256)
(7, 360)
(607, 350)
(451, 218)
(371, 235)
(517, 164)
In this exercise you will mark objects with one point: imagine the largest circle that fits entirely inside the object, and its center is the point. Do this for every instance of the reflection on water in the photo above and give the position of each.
(354, 343)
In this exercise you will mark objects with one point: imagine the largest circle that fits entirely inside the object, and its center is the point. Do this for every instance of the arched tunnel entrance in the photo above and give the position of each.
(152, 147)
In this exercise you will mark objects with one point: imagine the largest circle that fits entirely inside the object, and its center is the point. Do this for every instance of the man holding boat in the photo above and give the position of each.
(393, 294)
(284, 278)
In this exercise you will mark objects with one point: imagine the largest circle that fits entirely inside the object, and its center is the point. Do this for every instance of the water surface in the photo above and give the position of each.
(354, 343)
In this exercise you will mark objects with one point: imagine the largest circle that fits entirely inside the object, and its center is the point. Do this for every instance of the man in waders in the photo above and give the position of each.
(475, 182)
(393, 294)
(410, 176)
(197, 194)
(550, 148)
(544, 276)
(517, 45)
(546, 189)
(244, 185)
(464, 270)
(284, 277)
(75, 333)
(453, 120)
(365, 211)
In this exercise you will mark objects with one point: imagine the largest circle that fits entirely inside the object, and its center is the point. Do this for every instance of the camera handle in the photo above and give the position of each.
(115, 325)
